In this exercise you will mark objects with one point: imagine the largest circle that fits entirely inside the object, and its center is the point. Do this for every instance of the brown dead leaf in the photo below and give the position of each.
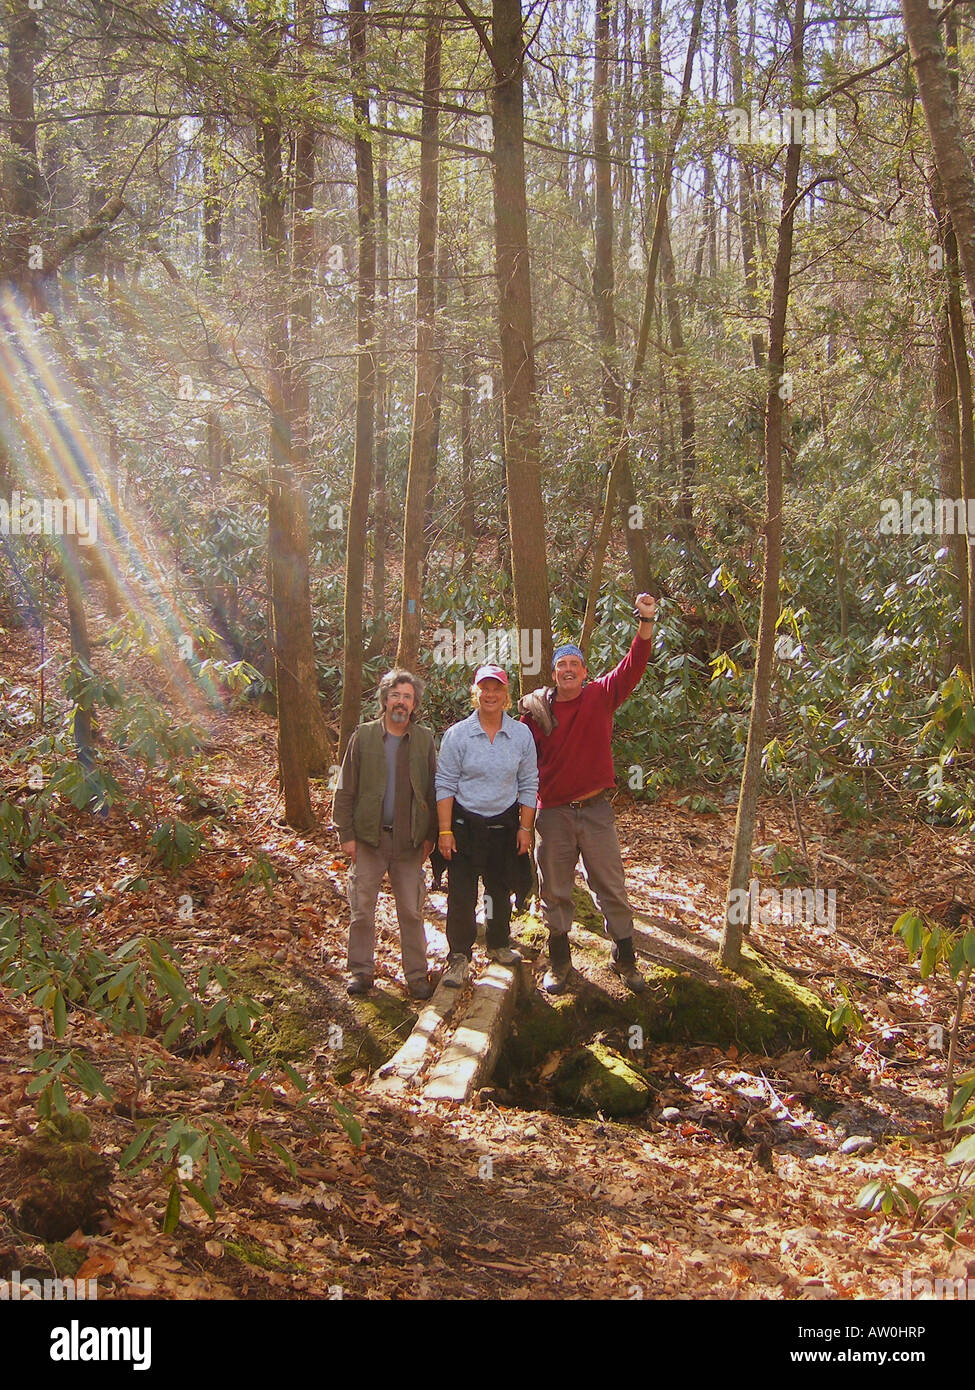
(98, 1263)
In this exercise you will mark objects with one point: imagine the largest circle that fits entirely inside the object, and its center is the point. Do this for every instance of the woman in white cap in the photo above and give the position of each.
(487, 788)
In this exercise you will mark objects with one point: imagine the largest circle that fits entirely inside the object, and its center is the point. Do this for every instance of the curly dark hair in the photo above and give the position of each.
(397, 676)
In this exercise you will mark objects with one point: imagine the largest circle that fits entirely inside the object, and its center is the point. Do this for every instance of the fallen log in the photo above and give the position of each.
(398, 1074)
(469, 1058)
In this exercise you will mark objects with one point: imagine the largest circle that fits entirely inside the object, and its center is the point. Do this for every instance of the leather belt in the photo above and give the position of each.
(585, 800)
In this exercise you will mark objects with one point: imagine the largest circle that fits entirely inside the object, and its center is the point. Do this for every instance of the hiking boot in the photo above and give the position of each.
(504, 955)
(456, 972)
(559, 963)
(623, 964)
(420, 989)
(359, 984)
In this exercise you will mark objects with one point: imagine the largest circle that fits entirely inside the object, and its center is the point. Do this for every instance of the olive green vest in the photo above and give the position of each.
(367, 818)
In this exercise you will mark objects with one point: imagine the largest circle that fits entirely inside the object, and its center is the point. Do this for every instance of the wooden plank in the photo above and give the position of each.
(396, 1075)
(468, 1060)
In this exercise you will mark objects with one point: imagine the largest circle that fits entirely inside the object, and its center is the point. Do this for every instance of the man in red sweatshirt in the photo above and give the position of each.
(573, 729)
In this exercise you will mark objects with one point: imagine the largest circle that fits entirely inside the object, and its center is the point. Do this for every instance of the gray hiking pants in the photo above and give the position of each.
(408, 882)
(561, 835)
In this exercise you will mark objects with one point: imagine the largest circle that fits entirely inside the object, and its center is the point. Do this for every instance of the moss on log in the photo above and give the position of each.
(761, 1010)
(302, 1018)
(597, 1078)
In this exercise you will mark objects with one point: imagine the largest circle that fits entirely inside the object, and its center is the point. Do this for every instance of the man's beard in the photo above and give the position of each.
(399, 716)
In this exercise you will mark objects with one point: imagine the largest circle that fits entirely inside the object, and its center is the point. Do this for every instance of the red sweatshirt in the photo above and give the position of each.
(577, 757)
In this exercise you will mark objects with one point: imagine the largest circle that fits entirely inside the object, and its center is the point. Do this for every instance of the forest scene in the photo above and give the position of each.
(437, 441)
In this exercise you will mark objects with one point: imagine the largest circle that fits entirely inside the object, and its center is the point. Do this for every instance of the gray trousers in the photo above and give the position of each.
(408, 882)
(561, 835)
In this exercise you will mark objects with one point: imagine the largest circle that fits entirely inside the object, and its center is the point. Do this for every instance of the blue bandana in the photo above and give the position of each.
(568, 649)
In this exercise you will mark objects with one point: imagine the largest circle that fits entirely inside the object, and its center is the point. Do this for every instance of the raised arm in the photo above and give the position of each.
(621, 682)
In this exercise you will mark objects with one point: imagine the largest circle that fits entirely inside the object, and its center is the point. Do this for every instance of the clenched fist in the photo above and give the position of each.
(646, 607)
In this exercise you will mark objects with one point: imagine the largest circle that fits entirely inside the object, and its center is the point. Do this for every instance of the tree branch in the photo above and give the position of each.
(480, 29)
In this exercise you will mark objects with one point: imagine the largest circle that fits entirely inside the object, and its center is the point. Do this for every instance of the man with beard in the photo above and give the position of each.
(386, 817)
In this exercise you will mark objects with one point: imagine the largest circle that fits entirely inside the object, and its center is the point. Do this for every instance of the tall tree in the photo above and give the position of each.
(522, 440)
(380, 514)
(603, 271)
(287, 505)
(428, 370)
(746, 192)
(22, 175)
(24, 200)
(365, 382)
(951, 156)
(729, 953)
(621, 443)
(685, 390)
(312, 721)
(954, 422)
(216, 444)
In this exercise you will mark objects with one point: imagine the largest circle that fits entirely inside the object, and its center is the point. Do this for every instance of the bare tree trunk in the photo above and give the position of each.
(423, 441)
(746, 193)
(443, 273)
(966, 434)
(212, 269)
(522, 445)
(954, 423)
(951, 156)
(685, 391)
(24, 191)
(287, 504)
(643, 338)
(604, 274)
(840, 573)
(74, 598)
(729, 954)
(314, 729)
(468, 386)
(22, 174)
(380, 510)
(365, 394)
(604, 292)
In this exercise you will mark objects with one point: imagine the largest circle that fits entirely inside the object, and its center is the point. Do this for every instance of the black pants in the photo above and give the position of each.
(484, 849)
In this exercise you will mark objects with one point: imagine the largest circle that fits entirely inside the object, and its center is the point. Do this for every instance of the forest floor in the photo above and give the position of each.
(733, 1185)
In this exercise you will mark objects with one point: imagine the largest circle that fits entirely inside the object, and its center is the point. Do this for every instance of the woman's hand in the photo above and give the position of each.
(524, 840)
(445, 843)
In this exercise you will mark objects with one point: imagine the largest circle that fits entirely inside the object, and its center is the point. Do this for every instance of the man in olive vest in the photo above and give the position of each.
(385, 812)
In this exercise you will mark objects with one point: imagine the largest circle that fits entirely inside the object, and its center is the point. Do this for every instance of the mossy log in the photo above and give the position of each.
(468, 1060)
(595, 1077)
(302, 1019)
(691, 1001)
(396, 1075)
